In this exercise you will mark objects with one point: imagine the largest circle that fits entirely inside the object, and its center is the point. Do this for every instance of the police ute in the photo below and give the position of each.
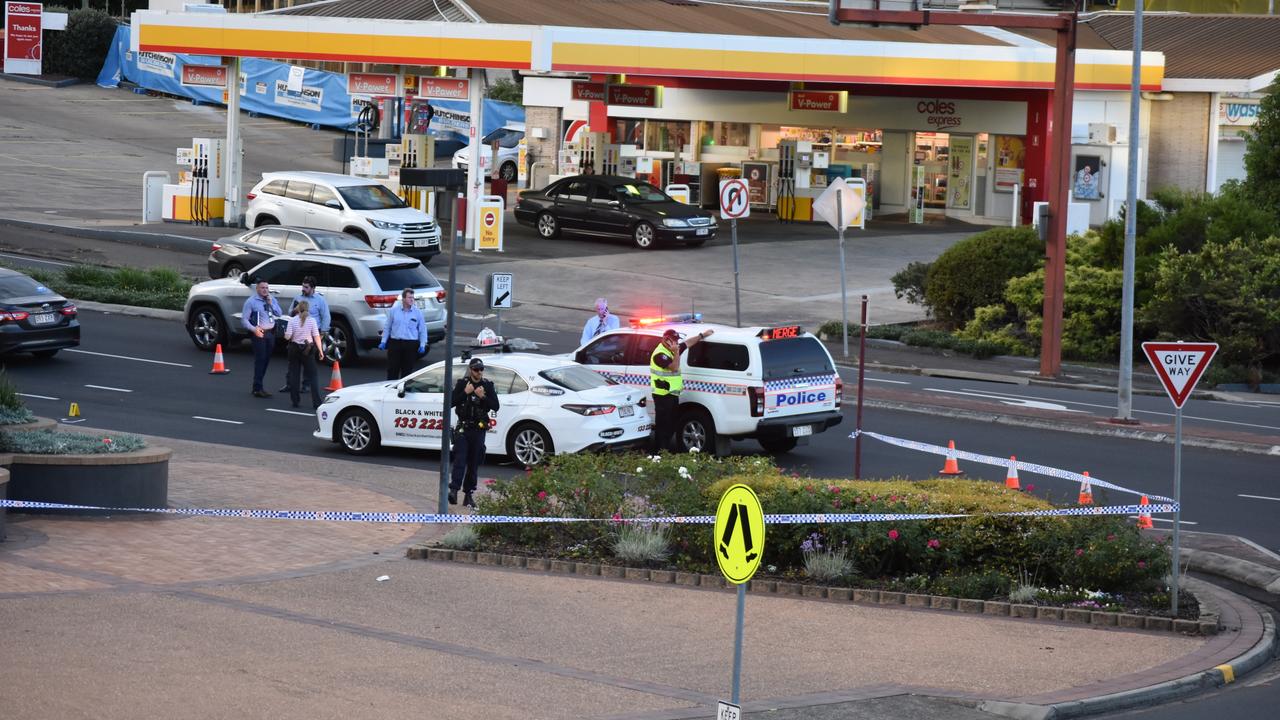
(547, 405)
(776, 385)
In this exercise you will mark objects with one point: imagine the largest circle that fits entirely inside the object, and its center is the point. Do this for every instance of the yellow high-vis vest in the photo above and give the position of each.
(662, 380)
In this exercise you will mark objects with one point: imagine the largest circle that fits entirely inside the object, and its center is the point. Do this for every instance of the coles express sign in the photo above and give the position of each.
(939, 113)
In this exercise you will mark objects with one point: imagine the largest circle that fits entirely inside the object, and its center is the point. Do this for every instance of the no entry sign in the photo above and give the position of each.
(1179, 365)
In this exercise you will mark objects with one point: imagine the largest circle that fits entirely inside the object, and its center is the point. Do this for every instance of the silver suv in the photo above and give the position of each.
(359, 287)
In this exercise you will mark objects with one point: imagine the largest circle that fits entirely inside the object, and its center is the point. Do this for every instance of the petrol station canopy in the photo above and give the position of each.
(726, 40)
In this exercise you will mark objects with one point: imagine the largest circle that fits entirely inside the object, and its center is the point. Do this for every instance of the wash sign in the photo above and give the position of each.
(1179, 366)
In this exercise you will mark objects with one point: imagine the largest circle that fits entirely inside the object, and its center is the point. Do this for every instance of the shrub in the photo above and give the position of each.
(19, 416)
(9, 397)
(822, 563)
(1262, 153)
(909, 283)
(643, 544)
(49, 442)
(463, 537)
(973, 272)
(81, 49)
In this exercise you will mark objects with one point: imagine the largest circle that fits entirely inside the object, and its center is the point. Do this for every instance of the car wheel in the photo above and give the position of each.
(644, 235)
(44, 354)
(340, 344)
(265, 220)
(548, 227)
(359, 235)
(696, 430)
(778, 445)
(529, 444)
(508, 172)
(207, 327)
(358, 433)
(233, 270)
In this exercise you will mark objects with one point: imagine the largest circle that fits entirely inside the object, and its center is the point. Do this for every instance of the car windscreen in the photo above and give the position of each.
(399, 277)
(370, 197)
(576, 378)
(14, 286)
(794, 357)
(640, 193)
(337, 241)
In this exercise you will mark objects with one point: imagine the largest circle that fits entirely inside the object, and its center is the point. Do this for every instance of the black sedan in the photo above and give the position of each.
(233, 255)
(34, 318)
(614, 206)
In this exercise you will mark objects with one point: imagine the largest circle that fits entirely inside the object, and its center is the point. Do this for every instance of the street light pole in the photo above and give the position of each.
(1124, 390)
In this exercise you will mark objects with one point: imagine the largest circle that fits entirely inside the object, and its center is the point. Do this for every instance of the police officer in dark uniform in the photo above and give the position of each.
(474, 398)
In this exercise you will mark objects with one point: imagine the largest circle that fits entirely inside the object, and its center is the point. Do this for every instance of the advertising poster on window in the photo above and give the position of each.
(917, 195)
(1011, 155)
(960, 172)
(1087, 181)
(757, 175)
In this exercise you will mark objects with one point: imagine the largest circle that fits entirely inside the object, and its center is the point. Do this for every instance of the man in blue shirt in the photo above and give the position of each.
(602, 322)
(259, 317)
(404, 336)
(319, 311)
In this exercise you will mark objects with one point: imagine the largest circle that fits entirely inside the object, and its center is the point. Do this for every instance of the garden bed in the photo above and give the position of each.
(75, 468)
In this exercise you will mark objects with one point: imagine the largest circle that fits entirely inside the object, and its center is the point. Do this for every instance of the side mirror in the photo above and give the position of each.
(400, 390)
(580, 357)
(333, 204)
(246, 280)
(615, 203)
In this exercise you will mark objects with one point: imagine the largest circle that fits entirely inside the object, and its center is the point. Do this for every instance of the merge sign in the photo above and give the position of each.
(22, 37)
(1179, 365)
(739, 534)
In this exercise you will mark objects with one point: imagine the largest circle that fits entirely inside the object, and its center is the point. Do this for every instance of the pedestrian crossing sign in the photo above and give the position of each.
(739, 534)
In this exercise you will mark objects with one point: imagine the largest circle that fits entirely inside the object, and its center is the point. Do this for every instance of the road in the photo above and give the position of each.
(143, 375)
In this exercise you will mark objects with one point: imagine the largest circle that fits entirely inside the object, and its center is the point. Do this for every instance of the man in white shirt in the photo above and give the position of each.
(600, 323)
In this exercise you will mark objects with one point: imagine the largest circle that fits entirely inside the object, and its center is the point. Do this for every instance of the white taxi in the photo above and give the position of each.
(548, 405)
(777, 385)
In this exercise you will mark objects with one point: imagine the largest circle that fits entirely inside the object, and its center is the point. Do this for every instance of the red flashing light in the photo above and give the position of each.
(779, 333)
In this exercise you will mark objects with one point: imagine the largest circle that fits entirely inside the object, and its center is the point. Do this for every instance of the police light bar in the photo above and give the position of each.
(665, 320)
(778, 333)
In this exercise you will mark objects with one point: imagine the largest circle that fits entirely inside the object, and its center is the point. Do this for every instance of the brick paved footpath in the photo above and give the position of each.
(227, 617)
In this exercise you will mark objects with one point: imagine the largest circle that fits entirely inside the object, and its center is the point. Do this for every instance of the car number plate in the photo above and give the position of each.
(421, 303)
(44, 319)
(422, 242)
(801, 430)
(626, 411)
(702, 231)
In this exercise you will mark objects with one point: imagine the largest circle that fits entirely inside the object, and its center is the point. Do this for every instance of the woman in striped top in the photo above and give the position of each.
(304, 349)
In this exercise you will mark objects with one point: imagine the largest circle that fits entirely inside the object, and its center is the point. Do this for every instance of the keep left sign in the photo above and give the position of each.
(1179, 365)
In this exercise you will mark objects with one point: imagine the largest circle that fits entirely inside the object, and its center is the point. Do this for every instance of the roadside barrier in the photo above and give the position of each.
(1144, 510)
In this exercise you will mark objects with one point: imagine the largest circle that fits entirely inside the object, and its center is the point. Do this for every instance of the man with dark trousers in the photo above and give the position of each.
(404, 336)
(259, 317)
(473, 399)
(666, 383)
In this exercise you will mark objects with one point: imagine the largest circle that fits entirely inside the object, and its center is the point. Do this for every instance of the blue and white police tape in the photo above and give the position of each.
(1004, 463)
(444, 519)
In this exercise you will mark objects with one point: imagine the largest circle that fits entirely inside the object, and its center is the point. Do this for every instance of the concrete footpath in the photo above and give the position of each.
(232, 617)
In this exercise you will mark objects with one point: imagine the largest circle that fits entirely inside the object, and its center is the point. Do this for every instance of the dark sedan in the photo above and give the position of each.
(614, 206)
(34, 318)
(233, 255)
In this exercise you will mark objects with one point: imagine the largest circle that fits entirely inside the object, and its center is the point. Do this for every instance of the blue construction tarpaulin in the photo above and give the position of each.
(264, 90)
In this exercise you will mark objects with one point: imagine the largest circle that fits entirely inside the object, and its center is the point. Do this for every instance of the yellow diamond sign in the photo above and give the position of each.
(739, 534)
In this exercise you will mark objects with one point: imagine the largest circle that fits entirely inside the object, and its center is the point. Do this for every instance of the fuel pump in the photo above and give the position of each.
(199, 195)
(418, 150)
(786, 180)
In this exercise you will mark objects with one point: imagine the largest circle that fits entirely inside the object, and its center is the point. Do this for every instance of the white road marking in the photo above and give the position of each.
(126, 357)
(35, 260)
(38, 397)
(291, 412)
(1011, 400)
(534, 329)
(469, 316)
(1156, 519)
(1260, 497)
(106, 387)
(882, 380)
(229, 422)
(1112, 407)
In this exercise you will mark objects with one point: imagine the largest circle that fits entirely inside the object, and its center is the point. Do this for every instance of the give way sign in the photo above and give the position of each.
(1179, 365)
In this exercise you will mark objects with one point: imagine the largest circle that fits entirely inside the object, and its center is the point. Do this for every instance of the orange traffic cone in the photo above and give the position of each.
(1144, 519)
(219, 367)
(1011, 479)
(951, 468)
(336, 382)
(1086, 491)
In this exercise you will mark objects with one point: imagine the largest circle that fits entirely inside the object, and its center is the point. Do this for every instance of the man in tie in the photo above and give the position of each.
(600, 323)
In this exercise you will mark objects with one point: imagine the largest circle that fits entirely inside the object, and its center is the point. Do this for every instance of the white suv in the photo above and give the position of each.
(508, 138)
(358, 206)
(776, 385)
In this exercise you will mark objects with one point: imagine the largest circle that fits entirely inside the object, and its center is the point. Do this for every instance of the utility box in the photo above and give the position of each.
(1102, 134)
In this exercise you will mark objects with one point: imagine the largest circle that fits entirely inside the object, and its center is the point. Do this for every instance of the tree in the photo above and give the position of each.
(1262, 153)
(506, 90)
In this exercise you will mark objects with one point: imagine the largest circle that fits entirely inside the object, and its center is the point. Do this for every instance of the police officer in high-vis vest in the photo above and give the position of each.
(664, 379)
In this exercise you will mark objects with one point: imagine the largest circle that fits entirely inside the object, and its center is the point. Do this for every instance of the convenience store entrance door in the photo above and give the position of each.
(933, 151)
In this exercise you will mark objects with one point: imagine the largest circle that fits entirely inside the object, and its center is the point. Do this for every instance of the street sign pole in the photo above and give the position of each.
(737, 643)
(1177, 514)
(456, 236)
(862, 367)
(737, 304)
(844, 300)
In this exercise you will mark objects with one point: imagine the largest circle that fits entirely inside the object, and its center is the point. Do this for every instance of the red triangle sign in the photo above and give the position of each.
(1179, 365)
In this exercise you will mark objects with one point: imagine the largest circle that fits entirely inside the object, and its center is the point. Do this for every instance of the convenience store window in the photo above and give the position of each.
(666, 136)
(732, 134)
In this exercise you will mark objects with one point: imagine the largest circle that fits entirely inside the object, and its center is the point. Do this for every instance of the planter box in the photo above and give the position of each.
(939, 602)
(134, 479)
